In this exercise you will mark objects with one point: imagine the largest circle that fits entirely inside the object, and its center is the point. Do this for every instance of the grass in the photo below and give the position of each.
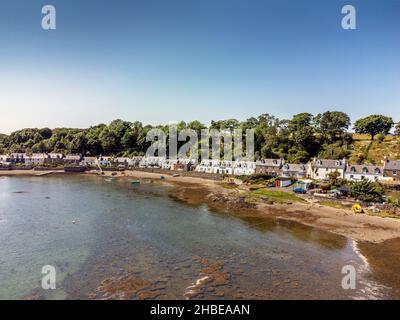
(278, 196)
(229, 186)
(383, 214)
(374, 152)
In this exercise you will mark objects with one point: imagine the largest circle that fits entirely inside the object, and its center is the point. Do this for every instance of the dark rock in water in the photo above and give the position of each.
(232, 202)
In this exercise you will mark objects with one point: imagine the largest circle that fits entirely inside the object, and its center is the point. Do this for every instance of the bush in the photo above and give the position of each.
(257, 179)
(395, 202)
(380, 138)
(367, 191)
(325, 186)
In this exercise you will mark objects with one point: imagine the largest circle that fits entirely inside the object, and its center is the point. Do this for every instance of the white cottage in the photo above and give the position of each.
(319, 169)
(89, 161)
(104, 161)
(363, 172)
(152, 162)
(244, 168)
(298, 171)
(35, 159)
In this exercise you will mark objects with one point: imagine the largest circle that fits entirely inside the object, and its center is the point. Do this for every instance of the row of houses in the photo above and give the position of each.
(317, 169)
(320, 169)
(39, 159)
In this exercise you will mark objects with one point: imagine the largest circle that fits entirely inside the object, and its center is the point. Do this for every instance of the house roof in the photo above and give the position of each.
(73, 157)
(122, 159)
(55, 155)
(364, 169)
(329, 163)
(294, 167)
(269, 162)
(392, 165)
(37, 156)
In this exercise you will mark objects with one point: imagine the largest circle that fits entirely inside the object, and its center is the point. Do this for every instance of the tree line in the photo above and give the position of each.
(296, 140)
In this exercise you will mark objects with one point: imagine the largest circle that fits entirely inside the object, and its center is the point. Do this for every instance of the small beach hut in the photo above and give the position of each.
(282, 182)
(304, 184)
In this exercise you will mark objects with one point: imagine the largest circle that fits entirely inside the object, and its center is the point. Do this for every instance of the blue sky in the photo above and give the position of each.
(167, 60)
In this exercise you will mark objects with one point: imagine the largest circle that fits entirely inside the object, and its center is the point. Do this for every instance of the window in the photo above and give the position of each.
(365, 170)
(394, 172)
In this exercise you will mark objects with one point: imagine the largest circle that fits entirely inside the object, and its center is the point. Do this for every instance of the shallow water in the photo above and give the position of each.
(146, 245)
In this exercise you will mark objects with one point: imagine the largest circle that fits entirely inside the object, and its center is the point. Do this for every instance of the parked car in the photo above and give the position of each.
(299, 190)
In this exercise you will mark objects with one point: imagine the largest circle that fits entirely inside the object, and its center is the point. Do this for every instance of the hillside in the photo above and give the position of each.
(363, 151)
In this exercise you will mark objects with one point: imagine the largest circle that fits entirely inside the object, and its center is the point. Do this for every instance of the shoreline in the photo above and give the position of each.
(197, 191)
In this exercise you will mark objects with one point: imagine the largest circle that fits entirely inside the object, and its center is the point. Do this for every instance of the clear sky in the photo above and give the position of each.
(158, 61)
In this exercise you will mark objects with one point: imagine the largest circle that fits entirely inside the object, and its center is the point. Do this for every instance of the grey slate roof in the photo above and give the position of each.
(392, 165)
(294, 167)
(270, 162)
(364, 169)
(328, 163)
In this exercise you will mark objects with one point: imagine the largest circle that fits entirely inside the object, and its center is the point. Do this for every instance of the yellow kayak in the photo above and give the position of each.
(357, 208)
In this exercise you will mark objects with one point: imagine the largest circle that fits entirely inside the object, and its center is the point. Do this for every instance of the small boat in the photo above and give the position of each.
(357, 208)
(175, 175)
(135, 182)
(162, 177)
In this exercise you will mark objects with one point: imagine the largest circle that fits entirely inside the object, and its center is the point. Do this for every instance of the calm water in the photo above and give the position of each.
(138, 236)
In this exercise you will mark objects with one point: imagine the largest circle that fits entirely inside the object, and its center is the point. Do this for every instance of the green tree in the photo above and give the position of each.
(302, 137)
(79, 143)
(367, 191)
(300, 121)
(332, 124)
(333, 177)
(108, 141)
(373, 125)
(45, 133)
